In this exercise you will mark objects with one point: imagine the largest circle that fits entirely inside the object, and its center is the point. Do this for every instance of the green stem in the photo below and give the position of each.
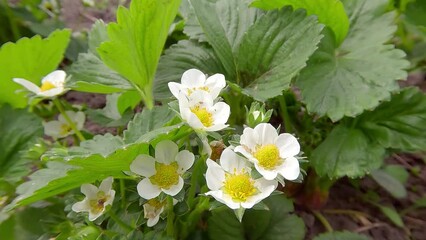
(13, 26)
(170, 217)
(195, 175)
(323, 220)
(61, 109)
(284, 114)
(123, 193)
(119, 222)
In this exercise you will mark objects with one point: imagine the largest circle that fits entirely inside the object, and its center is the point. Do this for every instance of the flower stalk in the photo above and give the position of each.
(61, 109)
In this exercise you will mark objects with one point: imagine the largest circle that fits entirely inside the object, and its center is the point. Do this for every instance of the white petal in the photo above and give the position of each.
(54, 129)
(200, 97)
(220, 112)
(185, 159)
(175, 189)
(106, 185)
(290, 168)
(152, 221)
(28, 85)
(250, 138)
(194, 121)
(267, 133)
(288, 145)
(89, 190)
(193, 78)
(175, 88)
(231, 162)
(52, 92)
(82, 206)
(220, 197)
(165, 151)
(242, 150)
(265, 189)
(57, 78)
(143, 165)
(216, 127)
(147, 190)
(267, 174)
(77, 117)
(93, 216)
(111, 198)
(215, 176)
(215, 84)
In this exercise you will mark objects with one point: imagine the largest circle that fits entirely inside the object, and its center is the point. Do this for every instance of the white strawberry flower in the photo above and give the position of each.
(61, 128)
(270, 153)
(152, 210)
(96, 200)
(231, 182)
(201, 113)
(194, 79)
(51, 85)
(164, 172)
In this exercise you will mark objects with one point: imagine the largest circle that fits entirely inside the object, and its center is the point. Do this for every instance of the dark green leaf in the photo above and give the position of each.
(359, 74)
(346, 152)
(225, 226)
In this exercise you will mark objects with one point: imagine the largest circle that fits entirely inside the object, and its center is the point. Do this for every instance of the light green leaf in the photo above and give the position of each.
(359, 74)
(137, 40)
(389, 183)
(398, 172)
(330, 12)
(392, 214)
(274, 50)
(346, 152)
(180, 57)
(128, 100)
(31, 59)
(110, 115)
(89, 74)
(399, 123)
(341, 236)
(224, 23)
(97, 35)
(19, 129)
(147, 121)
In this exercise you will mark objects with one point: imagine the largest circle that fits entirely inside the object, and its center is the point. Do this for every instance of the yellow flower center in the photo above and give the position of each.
(97, 205)
(268, 156)
(191, 90)
(206, 118)
(166, 175)
(65, 129)
(239, 186)
(47, 86)
(154, 202)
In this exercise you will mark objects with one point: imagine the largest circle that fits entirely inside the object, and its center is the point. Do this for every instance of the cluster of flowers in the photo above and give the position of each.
(245, 175)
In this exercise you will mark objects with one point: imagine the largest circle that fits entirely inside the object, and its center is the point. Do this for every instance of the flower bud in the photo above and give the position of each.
(257, 115)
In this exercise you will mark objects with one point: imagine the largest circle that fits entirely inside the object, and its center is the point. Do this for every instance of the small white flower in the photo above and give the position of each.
(202, 113)
(96, 199)
(164, 172)
(194, 79)
(270, 153)
(231, 182)
(51, 85)
(152, 210)
(61, 128)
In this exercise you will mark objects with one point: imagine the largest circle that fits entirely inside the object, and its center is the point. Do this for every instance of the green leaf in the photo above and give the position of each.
(392, 214)
(147, 121)
(330, 12)
(137, 40)
(97, 35)
(19, 129)
(274, 50)
(346, 152)
(31, 59)
(341, 236)
(415, 12)
(398, 172)
(399, 123)
(110, 115)
(389, 183)
(89, 74)
(180, 57)
(224, 225)
(359, 74)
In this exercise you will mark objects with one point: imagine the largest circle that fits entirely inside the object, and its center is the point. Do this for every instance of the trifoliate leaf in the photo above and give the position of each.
(359, 74)
(274, 50)
(341, 236)
(330, 12)
(137, 40)
(31, 59)
(399, 123)
(346, 152)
